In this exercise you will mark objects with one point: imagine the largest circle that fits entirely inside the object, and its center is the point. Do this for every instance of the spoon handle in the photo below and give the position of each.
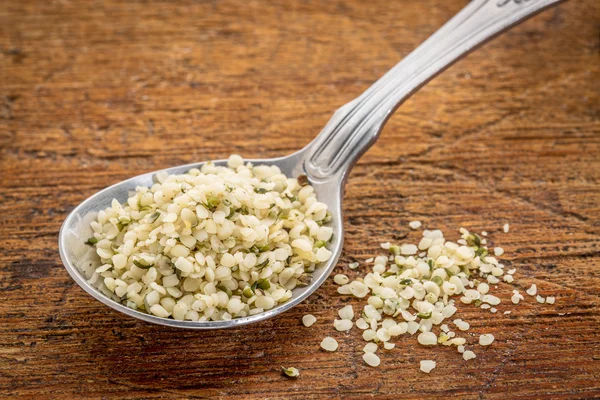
(355, 126)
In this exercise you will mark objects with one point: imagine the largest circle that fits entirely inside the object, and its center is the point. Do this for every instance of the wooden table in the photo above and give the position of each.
(95, 92)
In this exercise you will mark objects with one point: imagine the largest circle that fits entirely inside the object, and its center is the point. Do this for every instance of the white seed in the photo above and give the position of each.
(159, 311)
(412, 327)
(462, 325)
(540, 299)
(388, 345)
(427, 365)
(486, 339)
(498, 251)
(532, 290)
(506, 228)
(353, 265)
(369, 334)
(308, 320)
(346, 312)
(550, 300)
(483, 288)
(341, 279)
(119, 261)
(383, 334)
(370, 347)
(468, 355)
(358, 289)
(362, 324)
(414, 224)
(342, 324)
(329, 344)
(323, 254)
(427, 339)
(371, 359)
(408, 249)
(491, 299)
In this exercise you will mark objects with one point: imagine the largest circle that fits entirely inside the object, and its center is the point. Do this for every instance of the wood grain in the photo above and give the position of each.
(94, 92)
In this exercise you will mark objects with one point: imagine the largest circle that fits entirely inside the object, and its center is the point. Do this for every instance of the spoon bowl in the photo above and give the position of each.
(76, 229)
(327, 160)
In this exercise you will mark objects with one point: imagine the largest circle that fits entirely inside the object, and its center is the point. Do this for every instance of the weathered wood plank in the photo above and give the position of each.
(94, 92)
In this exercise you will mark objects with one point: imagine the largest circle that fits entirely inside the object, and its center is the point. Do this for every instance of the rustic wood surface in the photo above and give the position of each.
(95, 92)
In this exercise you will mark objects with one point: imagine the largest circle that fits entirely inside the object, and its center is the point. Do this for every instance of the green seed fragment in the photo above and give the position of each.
(474, 240)
(212, 202)
(154, 217)
(248, 292)
(437, 280)
(225, 289)
(320, 243)
(264, 284)
(142, 264)
(290, 372)
(431, 265)
(91, 241)
(424, 315)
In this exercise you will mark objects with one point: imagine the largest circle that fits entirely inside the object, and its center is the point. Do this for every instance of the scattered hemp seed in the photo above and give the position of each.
(308, 320)
(540, 299)
(506, 228)
(427, 339)
(329, 344)
(532, 290)
(388, 345)
(486, 339)
(550, 300)
(516, 298)
(341, 279)
(414, 224)
(371, 359)
(342, 325)
(290, 372)
(498, 251)
(415, 289)
(362, 324)
(353, 265)
(427, 365)
(370, 347)
(346, 313)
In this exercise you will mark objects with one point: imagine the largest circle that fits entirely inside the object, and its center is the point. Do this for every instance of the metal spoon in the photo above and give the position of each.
(327, 160)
